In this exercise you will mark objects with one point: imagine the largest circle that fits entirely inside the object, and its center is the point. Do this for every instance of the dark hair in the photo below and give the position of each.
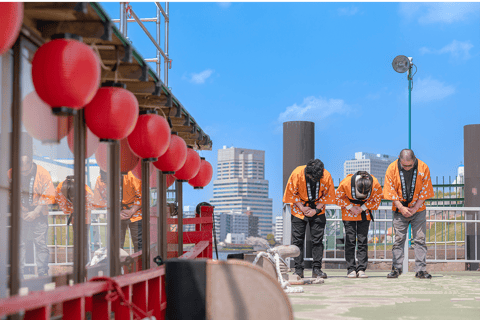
(68, 188)
(315, 169)
(103, 175)
(364, 184)
(407, 154)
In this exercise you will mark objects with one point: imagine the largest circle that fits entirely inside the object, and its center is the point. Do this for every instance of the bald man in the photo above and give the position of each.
(408, 185)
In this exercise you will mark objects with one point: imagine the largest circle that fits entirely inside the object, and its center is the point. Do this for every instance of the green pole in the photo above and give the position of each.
(410, 134)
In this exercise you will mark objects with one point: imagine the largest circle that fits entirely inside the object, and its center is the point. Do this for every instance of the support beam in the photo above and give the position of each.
(79, 234)
(15, 143)
(162, 215)
(145, 215)
(179, 196)
(113, 207)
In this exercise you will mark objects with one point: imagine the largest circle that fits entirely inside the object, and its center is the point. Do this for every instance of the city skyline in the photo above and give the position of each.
(242, 82)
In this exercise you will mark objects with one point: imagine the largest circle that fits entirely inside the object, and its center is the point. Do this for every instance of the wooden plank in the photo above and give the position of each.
(196, 251)
(139, 295)
(74, 309)
(42, 313)
(100, 306)
(122, 312)
(154, 296)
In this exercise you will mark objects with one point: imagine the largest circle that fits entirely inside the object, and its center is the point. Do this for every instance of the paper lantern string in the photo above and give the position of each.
(117, 293)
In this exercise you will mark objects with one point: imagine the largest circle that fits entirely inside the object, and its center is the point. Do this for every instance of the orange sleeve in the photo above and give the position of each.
(341, 198)
(44, 189)
(376, 196)
(427, 189)
(291, 194)
(62, 201)
(99, 194)
(389, 188)
(137, 184)
(326, 183)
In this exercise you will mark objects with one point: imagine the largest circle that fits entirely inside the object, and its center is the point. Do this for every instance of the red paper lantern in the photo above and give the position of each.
(92, 143)
(203, 177)
(175, 156)
(190, 168)
(11, 18)
(137, 172)
(128, 160)
(113, 112)
(170, 180)
(66, 74)
(39, 121)
(151, 137)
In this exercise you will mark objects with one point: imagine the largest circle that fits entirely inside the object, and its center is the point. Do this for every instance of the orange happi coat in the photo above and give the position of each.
(343, 195)
(67, 207)
(100, 194)
(296, 191)
(392, 189)
(132, 194)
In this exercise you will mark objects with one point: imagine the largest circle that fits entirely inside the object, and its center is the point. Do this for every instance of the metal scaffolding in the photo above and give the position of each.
(126, 12)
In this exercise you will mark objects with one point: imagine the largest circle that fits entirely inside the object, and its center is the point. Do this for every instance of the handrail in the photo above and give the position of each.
(41, 299)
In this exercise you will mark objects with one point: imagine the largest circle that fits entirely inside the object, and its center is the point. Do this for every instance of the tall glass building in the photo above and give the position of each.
(375, 164)
(241, 187)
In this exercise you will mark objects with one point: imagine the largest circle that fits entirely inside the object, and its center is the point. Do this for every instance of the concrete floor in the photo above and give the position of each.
(449, 295)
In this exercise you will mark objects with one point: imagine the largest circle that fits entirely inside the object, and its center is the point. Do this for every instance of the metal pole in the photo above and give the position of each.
(167, 22)
(123, 18)
(158, 41)
(113, 207)
(79, 239)
(409, 139)
(145, 215)
(410, 108)
(179, 196)
(162, 215)
(15, 143)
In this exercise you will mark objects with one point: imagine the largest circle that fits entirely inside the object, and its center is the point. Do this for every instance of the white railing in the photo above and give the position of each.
(98, 227)
(445, 243)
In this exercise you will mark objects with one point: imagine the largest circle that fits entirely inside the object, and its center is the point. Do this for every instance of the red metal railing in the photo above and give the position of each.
(203, 232)
(92, 300)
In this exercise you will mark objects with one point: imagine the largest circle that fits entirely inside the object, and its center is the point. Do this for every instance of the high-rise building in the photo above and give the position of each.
(241, 186)
(375, 164)
(188, 212)
(278, 229)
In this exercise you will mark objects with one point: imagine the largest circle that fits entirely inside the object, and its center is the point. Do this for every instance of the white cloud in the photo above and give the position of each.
(441, 12)
(426, 90)
(201, 77)
(224, 5)
(314, 109)
(457, 49)
(348, 11)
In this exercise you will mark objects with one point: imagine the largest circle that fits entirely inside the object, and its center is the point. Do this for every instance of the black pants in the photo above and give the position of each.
(135, 233)
(356, 235)
(37, 231)
(317, 229)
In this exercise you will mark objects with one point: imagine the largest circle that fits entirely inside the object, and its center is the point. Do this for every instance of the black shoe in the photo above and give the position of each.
(423, 275)
(318, 273)
(395, 273)
(299, 272)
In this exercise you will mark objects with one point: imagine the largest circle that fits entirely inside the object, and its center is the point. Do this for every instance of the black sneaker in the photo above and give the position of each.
(395, 273)
(423, 275)
(318, 273)
(299, 272)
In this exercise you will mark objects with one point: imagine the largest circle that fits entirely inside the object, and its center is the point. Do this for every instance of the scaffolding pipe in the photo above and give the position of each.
(158, 41)
(166, 61)
(133, 20)
(159, 6)
(148, 34)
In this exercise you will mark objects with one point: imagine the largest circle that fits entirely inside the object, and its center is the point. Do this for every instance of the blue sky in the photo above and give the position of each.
(242, 69)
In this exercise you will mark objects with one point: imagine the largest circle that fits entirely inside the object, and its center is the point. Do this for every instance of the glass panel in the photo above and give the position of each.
(46, 247)
(6, 70)
(96, 181)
